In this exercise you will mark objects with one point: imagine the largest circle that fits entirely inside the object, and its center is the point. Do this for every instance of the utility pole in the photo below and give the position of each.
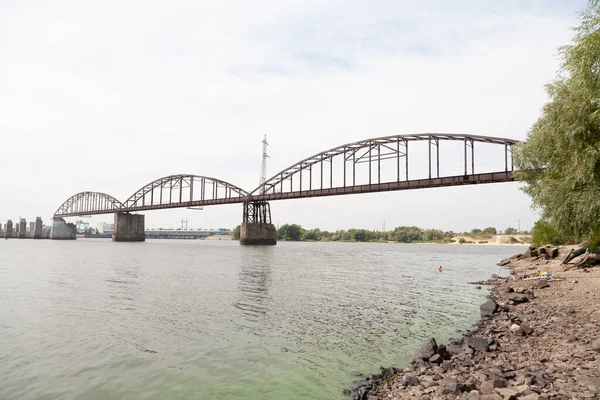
(263, 168)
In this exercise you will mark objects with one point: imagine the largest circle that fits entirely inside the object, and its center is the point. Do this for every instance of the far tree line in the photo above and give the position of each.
(401, 234)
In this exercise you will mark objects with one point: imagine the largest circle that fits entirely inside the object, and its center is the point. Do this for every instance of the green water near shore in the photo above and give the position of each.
(93, 319)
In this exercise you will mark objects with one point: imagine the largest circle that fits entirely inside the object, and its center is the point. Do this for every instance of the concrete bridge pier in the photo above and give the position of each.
(129, 227)
(38, 228)
(8, 233)
(61, 230)
(256, 227)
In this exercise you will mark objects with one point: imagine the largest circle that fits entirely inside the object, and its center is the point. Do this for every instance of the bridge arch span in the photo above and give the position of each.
(88, 203)
(314, 176)
(183, 190)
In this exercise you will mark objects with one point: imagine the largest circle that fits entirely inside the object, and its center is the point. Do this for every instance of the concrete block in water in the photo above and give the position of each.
(129, 228)
(61, 230)
(258, 234)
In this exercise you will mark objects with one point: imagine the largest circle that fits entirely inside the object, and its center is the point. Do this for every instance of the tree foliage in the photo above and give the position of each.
(490, 230)
(544, 232)
(236, 233)
(290, 232)
(561, 160)
(510, 231)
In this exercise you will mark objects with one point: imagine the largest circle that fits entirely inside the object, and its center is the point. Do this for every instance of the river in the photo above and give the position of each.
(92, 319)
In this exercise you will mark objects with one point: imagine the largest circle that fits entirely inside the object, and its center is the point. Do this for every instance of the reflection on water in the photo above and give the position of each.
(253, 283)
(94, 319)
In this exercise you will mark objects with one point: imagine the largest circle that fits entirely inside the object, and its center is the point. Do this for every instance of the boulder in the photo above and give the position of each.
(499, 382)
(443, 351)
(488, 308)
(530, 253)
(428, 349)
(387, 373)
(518, 298)
(436, 359)
(410, 380)
(451, 388)
(504, 262)
(478, 344)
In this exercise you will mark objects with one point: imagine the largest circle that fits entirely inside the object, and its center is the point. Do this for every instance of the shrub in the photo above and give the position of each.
(544, 232)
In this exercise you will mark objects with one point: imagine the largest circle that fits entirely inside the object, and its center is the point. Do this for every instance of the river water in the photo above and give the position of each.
(92, 319)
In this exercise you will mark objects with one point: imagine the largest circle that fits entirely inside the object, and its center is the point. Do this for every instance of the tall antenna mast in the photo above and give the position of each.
(263, 168)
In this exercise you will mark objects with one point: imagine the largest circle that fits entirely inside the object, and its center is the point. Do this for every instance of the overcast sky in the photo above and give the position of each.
(108, 96)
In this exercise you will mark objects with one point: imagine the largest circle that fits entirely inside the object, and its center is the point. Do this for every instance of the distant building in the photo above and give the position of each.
(82, 226)
(103, 227)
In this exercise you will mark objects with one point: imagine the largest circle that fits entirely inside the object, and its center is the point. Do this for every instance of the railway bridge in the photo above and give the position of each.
(367, 166)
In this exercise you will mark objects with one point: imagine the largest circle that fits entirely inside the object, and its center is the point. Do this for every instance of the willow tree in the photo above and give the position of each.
(561, 160)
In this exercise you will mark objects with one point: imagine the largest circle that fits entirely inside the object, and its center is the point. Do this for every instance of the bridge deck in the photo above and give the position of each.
(492, 177)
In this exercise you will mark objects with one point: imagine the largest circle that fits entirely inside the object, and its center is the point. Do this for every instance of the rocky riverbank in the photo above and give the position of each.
(539, 339)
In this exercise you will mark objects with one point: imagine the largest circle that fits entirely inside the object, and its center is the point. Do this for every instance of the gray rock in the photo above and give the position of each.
(517, 298)
(527, 329)
(451, 388)
(443, 351)
(410, 380)
(596, 345)
(487, 387)
(542, 283)
(436, 359)
(478, 344)
(428, 349)
(488, 308)
(499, 382)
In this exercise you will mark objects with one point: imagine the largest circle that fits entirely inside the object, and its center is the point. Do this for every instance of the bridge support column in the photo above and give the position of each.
(129, 228)
(61, 230)
(38, 228)
(256, 227)
(8, 233)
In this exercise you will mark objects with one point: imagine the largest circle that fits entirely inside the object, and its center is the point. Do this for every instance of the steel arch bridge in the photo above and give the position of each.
(367, 166)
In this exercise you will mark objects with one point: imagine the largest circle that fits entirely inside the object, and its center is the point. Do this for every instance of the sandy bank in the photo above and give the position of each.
(539, 341)
(494, 240)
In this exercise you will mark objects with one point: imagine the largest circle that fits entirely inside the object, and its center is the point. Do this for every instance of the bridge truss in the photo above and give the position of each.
(314, 176)
(366, 166)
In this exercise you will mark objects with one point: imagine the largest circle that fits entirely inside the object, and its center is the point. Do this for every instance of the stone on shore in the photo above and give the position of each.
(488, 308)
(428, 349)
(517, 330)
(410, 380)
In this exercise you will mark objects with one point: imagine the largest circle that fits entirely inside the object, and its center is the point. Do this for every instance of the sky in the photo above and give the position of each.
(109, 96)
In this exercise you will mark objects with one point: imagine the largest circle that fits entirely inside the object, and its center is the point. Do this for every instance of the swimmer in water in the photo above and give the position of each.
(440, 268)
